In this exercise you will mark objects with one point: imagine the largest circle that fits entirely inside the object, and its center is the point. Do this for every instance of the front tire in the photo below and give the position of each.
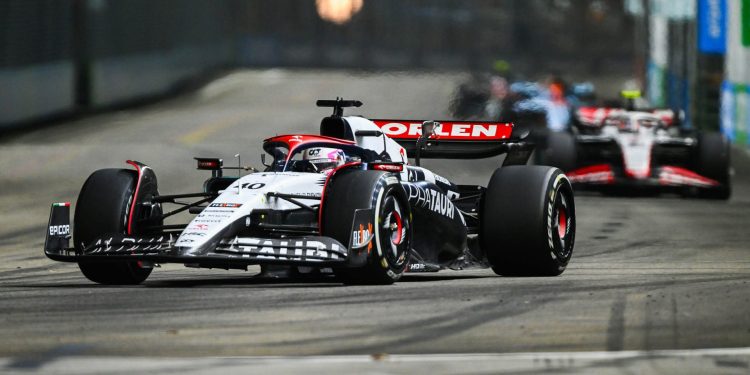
(386, 258)
(528, 221)
(103, 207)
(713, 162)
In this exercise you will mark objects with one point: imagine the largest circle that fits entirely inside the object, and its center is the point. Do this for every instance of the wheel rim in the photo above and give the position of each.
(394, 228)
(396, 225)
(563, 225)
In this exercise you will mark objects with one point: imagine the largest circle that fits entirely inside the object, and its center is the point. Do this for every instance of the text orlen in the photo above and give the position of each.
(476, 131)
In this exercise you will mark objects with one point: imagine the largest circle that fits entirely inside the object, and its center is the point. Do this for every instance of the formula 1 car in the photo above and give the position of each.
(619, 150)
(346, 200)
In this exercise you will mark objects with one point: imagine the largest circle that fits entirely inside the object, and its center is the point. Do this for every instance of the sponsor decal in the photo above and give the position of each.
(270, 248)
(388, 167)
(712, 26)
(207, 220)
(59, 230)
(430, 199)
(226, 205)
(199, 227)
(362, 230)
(308, 194)
(416, 266)
(477, 131)
(211, 214)
(362, 237)
(197, 234)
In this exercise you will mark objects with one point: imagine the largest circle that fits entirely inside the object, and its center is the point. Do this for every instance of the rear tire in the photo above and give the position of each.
(714, 162)
(528, 221)
(103, 207)
(387, 258)
(560, 151)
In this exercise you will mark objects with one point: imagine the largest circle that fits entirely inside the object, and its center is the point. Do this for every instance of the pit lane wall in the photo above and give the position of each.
(73, 56)
(735, 90)
(36, 71)
(65, 56)
(35, 91)
(45, 90)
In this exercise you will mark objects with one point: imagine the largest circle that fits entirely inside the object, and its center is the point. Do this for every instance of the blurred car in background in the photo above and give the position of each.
(625, 150)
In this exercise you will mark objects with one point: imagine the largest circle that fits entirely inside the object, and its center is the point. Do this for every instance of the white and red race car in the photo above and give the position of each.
(616, 149)
(346, 199)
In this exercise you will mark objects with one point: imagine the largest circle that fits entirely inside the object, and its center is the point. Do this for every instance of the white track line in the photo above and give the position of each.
(595, 355)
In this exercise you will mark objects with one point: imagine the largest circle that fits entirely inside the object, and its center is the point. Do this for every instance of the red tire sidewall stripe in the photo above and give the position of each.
(135, 195)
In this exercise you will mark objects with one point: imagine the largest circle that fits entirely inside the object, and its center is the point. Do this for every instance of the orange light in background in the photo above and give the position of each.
(338, 11)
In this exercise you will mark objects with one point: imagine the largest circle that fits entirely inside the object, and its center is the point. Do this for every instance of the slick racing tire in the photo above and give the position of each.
(527, 224)
(560, 151)
(714, 162)
(387, 255)
(104, 207)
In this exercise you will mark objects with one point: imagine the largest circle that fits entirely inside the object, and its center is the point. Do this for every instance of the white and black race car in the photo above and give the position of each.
(633, 151)
(346, 200)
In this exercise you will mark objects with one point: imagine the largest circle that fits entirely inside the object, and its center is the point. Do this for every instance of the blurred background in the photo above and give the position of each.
(62, 57)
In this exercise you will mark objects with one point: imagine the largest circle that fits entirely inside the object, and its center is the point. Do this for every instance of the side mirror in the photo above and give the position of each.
(263, 160)
(521, 133)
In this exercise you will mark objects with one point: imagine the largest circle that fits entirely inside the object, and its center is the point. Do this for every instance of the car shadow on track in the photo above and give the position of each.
(290, 282)
(181, 281)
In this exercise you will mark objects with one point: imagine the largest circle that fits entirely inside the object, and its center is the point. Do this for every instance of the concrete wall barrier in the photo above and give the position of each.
(35, 91)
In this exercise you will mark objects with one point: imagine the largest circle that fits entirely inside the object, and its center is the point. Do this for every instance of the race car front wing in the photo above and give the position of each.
(235, 252)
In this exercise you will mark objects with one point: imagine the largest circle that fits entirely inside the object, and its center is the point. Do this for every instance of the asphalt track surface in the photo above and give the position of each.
(648, 273)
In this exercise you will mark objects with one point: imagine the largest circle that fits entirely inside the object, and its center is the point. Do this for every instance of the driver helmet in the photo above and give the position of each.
(324, 159)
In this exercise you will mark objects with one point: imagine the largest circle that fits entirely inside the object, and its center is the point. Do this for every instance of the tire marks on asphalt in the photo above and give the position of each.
(616, 326)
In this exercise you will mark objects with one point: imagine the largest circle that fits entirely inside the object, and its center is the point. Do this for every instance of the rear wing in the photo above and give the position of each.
(458, 139)
(593, 116)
